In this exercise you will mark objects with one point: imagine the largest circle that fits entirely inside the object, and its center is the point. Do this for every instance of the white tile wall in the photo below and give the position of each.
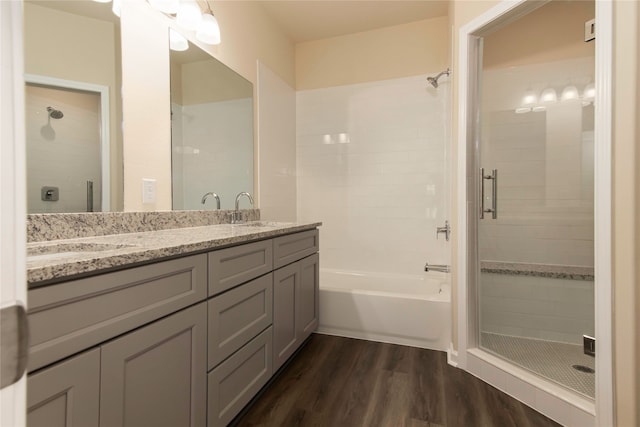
(214, 141)
(277, 146)
(63, 153)
(372, 164)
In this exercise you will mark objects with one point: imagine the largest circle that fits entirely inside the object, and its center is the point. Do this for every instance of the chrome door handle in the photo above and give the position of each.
(493, 210)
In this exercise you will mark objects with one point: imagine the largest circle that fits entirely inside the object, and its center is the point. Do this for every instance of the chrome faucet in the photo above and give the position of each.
(437, 267)
(236, 216)
(210, 193)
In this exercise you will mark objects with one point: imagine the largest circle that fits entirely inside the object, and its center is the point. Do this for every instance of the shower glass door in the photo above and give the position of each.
(536, 228)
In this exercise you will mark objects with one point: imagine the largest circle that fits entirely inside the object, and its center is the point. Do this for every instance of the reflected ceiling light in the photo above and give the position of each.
(209, 30)
(165, 6)
(326, 139)
(116, 7)
(539, 109)
(589, 93)
(176, 41)
(569, 93)
(522, 110)
(549, 96)
(529, 98)
(102, 1)
(343, 138)
(189, 16)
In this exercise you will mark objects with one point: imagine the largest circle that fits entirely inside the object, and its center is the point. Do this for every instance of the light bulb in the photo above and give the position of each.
(529, 98)
(176, 41)
(589, 93)
(209, 30)
(189, 15)
(165, 6)
(569, 92)
(549, 96)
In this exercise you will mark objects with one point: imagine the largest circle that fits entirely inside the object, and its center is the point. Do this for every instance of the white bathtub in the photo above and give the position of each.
(412, 310)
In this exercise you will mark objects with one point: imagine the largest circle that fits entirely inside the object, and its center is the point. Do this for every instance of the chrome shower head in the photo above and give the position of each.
(55, 114)
(433, 81)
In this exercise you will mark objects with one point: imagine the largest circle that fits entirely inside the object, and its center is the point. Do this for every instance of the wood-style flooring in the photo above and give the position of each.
(344, 382)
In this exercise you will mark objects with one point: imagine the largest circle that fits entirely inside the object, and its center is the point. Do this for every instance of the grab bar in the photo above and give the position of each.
(89, 196)
(493, 210)
(437, 267)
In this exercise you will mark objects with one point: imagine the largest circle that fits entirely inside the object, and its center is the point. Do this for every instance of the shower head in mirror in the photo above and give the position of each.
(433, 81)
(55, 114)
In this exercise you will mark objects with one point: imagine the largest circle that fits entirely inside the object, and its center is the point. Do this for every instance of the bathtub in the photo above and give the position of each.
(412, 310)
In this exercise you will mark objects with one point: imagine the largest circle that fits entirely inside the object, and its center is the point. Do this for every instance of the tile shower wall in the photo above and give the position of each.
(196, 154)
(372, 164)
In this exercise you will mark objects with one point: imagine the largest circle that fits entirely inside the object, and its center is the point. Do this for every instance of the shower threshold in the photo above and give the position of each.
(552, 360)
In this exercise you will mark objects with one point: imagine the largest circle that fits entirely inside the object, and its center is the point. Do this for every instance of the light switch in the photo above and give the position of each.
(148, 190)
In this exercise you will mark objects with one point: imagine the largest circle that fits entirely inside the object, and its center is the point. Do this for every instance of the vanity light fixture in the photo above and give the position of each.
(189, 16)
(166, 6)
(177, 41)
(209, 31)
(529, 99)
(570, 92)
(116, 7)
(102, 1)
(549, 96)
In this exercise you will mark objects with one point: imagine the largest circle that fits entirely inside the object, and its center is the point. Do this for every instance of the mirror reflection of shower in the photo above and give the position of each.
(47, 130)
(433, 81)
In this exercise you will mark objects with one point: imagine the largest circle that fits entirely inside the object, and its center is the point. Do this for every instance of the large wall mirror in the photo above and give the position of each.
(73, 107)
(211, 131)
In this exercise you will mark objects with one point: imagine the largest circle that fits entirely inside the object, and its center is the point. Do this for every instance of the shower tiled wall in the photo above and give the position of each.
(373, 165)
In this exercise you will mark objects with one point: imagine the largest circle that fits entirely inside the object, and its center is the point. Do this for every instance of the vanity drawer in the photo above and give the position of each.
(236, 380)
(292, 247)
(71, 316)
(233, 266)
(237, 316)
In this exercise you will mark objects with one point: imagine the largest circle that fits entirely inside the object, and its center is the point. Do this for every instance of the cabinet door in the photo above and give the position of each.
(285, 338)
(156, 376)
(307, 297)
(65, 394)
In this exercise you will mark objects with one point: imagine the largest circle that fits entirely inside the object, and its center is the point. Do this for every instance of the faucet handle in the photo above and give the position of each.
(446, 230)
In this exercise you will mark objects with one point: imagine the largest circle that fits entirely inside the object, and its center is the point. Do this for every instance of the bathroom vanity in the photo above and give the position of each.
(174, 327)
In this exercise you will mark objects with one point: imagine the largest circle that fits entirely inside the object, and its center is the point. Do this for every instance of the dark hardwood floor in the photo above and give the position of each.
(343, 382)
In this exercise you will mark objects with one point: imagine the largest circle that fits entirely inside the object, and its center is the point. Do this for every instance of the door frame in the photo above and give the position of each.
(105, 137)
(13, 212)
(552, 400)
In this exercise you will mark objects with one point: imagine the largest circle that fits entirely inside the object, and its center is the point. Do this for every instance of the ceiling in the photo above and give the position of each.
(306, 20)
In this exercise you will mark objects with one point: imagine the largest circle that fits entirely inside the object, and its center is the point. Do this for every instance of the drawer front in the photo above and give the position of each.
(234, 383)
(233, 266)
(237, 316)
(69, 317)
(292, 247)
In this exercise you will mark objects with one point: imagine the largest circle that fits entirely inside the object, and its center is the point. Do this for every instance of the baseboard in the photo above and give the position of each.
(452, 356)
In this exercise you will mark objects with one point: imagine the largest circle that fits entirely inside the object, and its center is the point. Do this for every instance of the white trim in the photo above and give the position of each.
(548, 398)
(603, 218)
(13, 284)
(105, 143)
(452, 356)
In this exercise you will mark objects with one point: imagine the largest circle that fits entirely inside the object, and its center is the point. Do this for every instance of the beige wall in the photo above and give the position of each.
(53, 49)
(626, 197)
(248, 35)
(391, 52)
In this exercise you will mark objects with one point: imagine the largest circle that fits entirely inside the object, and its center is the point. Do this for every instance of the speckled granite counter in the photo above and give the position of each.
(541, 270)
(58, 260)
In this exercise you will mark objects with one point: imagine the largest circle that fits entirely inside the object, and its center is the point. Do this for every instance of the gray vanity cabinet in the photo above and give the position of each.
(295, 307)
(155, 376)
(65, 394)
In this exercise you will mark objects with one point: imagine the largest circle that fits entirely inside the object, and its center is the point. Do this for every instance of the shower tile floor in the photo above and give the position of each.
(552, 360)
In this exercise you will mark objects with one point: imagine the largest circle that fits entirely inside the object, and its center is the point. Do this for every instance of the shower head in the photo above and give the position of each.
(433, 81)
(55, 114)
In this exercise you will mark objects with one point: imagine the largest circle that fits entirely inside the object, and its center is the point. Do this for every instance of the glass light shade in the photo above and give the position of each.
(189, 15)
(589, 93)
(177, 41)
(165, 6)
(102, 1)
(209, 30)
(549, 96)
(539, 109)
(530, 98)
(522, 110)
(116, 7)
(569, 92)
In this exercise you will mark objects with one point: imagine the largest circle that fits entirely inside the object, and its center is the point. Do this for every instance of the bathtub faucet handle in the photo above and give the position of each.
(446, 230)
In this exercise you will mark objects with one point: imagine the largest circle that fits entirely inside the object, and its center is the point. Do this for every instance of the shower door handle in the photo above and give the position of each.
(89, 196)
(493, 210)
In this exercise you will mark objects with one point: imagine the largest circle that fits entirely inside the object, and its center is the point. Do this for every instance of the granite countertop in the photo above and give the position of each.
(57, 260)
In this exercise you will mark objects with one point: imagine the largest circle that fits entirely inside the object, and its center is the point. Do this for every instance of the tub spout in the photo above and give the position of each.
(437, 267)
